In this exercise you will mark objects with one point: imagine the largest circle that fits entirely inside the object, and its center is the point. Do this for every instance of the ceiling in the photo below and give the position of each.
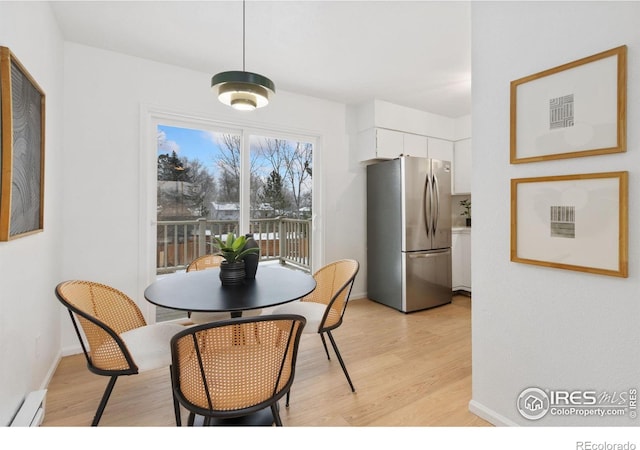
(414, 53)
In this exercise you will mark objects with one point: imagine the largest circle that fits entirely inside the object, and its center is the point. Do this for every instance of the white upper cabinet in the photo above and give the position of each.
(415, 145)
(379, 143)
(462, 167)
(440, 149)
(386, 131)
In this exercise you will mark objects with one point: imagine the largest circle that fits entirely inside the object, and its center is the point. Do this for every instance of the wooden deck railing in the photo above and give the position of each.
(179, 242)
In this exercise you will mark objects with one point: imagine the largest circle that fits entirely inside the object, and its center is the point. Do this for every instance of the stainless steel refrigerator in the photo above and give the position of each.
(409, 233)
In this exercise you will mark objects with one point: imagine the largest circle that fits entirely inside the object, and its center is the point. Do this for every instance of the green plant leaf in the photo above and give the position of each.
(238, 244)
(233, 249)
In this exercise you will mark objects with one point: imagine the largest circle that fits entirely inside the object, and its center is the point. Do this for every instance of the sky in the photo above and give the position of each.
(189, 143)
(193, 144)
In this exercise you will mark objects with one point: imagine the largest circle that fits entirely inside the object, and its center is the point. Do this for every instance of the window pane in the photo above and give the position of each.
(198, 174)
(281, 178)
(198, 178)
(280, 193)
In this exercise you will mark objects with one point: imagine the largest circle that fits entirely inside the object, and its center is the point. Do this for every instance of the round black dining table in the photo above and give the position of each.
(202, 290)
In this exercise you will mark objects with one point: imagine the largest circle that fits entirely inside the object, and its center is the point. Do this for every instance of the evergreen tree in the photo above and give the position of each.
(273, 194)
(171, 168)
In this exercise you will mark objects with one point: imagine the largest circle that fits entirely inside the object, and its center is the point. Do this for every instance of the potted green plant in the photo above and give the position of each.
(233, 250)
(466, 204)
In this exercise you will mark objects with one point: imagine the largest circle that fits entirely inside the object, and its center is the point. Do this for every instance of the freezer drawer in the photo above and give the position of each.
(427, 279)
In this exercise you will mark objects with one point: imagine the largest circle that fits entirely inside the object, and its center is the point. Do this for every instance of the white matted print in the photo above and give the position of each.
(577, 109)
(576, 222)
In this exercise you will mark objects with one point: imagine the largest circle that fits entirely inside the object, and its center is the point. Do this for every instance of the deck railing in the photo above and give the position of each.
(179, 242)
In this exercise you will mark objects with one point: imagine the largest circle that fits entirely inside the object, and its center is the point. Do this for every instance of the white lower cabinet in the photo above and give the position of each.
(461, 259)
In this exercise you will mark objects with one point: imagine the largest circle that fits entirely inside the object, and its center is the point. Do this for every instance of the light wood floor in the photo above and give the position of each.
(408, 370)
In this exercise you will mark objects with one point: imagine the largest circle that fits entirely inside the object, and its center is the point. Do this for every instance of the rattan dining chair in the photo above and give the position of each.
(232, 371)
(205, 262)
(209, 262)
(117, 340)
(324, 308)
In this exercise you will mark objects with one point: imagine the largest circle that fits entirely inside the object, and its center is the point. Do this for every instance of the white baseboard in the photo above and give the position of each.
(74, 349)
(31, 412)
(52, 370)
(490, 415)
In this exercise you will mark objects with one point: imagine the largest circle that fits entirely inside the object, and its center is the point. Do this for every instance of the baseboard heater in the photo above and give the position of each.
(31, 413)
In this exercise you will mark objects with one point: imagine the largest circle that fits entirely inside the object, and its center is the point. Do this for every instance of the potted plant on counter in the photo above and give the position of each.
(233, 250)
(466, 204)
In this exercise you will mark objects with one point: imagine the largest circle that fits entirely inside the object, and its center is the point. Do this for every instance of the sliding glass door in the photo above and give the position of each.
(212, 181)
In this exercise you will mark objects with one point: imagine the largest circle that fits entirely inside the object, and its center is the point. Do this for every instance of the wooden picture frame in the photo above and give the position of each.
(576, 222)
(573, 110)
(22, 115)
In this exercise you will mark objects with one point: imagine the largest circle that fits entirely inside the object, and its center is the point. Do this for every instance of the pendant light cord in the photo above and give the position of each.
(243, 35)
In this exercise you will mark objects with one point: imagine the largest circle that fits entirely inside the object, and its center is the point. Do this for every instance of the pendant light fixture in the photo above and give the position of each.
(244, 91)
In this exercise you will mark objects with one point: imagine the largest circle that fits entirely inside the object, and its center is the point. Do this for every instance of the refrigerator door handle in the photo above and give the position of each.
(429, 254)
(436, 214)
(428, 200)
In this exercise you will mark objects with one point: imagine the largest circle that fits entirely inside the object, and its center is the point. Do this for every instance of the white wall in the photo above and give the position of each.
(104, 93)
(92, 188)
(535, 326)
(30, 266)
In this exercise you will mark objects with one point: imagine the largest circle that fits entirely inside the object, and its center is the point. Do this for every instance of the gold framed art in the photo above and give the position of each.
(573, 110)
(22, 114)
(576, 222)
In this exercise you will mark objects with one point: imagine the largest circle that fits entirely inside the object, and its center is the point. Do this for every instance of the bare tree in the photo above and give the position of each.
(228, 161)
(300, 171)
(292, 163)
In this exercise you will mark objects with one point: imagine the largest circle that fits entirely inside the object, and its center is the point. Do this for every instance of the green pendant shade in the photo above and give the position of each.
(244, 91)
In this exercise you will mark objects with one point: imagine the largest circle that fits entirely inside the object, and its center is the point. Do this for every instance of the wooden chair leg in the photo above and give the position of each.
(103, 401)
(344, 368)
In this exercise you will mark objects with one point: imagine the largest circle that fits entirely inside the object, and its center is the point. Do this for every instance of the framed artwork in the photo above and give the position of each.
(577, 109)
(22, 116)
(575, 222)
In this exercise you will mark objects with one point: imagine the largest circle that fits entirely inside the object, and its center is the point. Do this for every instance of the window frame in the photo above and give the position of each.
(150, 118)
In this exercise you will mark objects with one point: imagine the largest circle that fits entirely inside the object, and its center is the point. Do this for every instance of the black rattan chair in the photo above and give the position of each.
(117, 340)
(232, 372)
(324, 308)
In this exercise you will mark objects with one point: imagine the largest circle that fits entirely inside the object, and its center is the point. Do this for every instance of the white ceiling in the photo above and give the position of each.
(413, 53)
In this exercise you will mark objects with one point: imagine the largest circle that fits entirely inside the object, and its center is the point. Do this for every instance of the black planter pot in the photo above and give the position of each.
(232, 274)
(469, 222)
(251, 260)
